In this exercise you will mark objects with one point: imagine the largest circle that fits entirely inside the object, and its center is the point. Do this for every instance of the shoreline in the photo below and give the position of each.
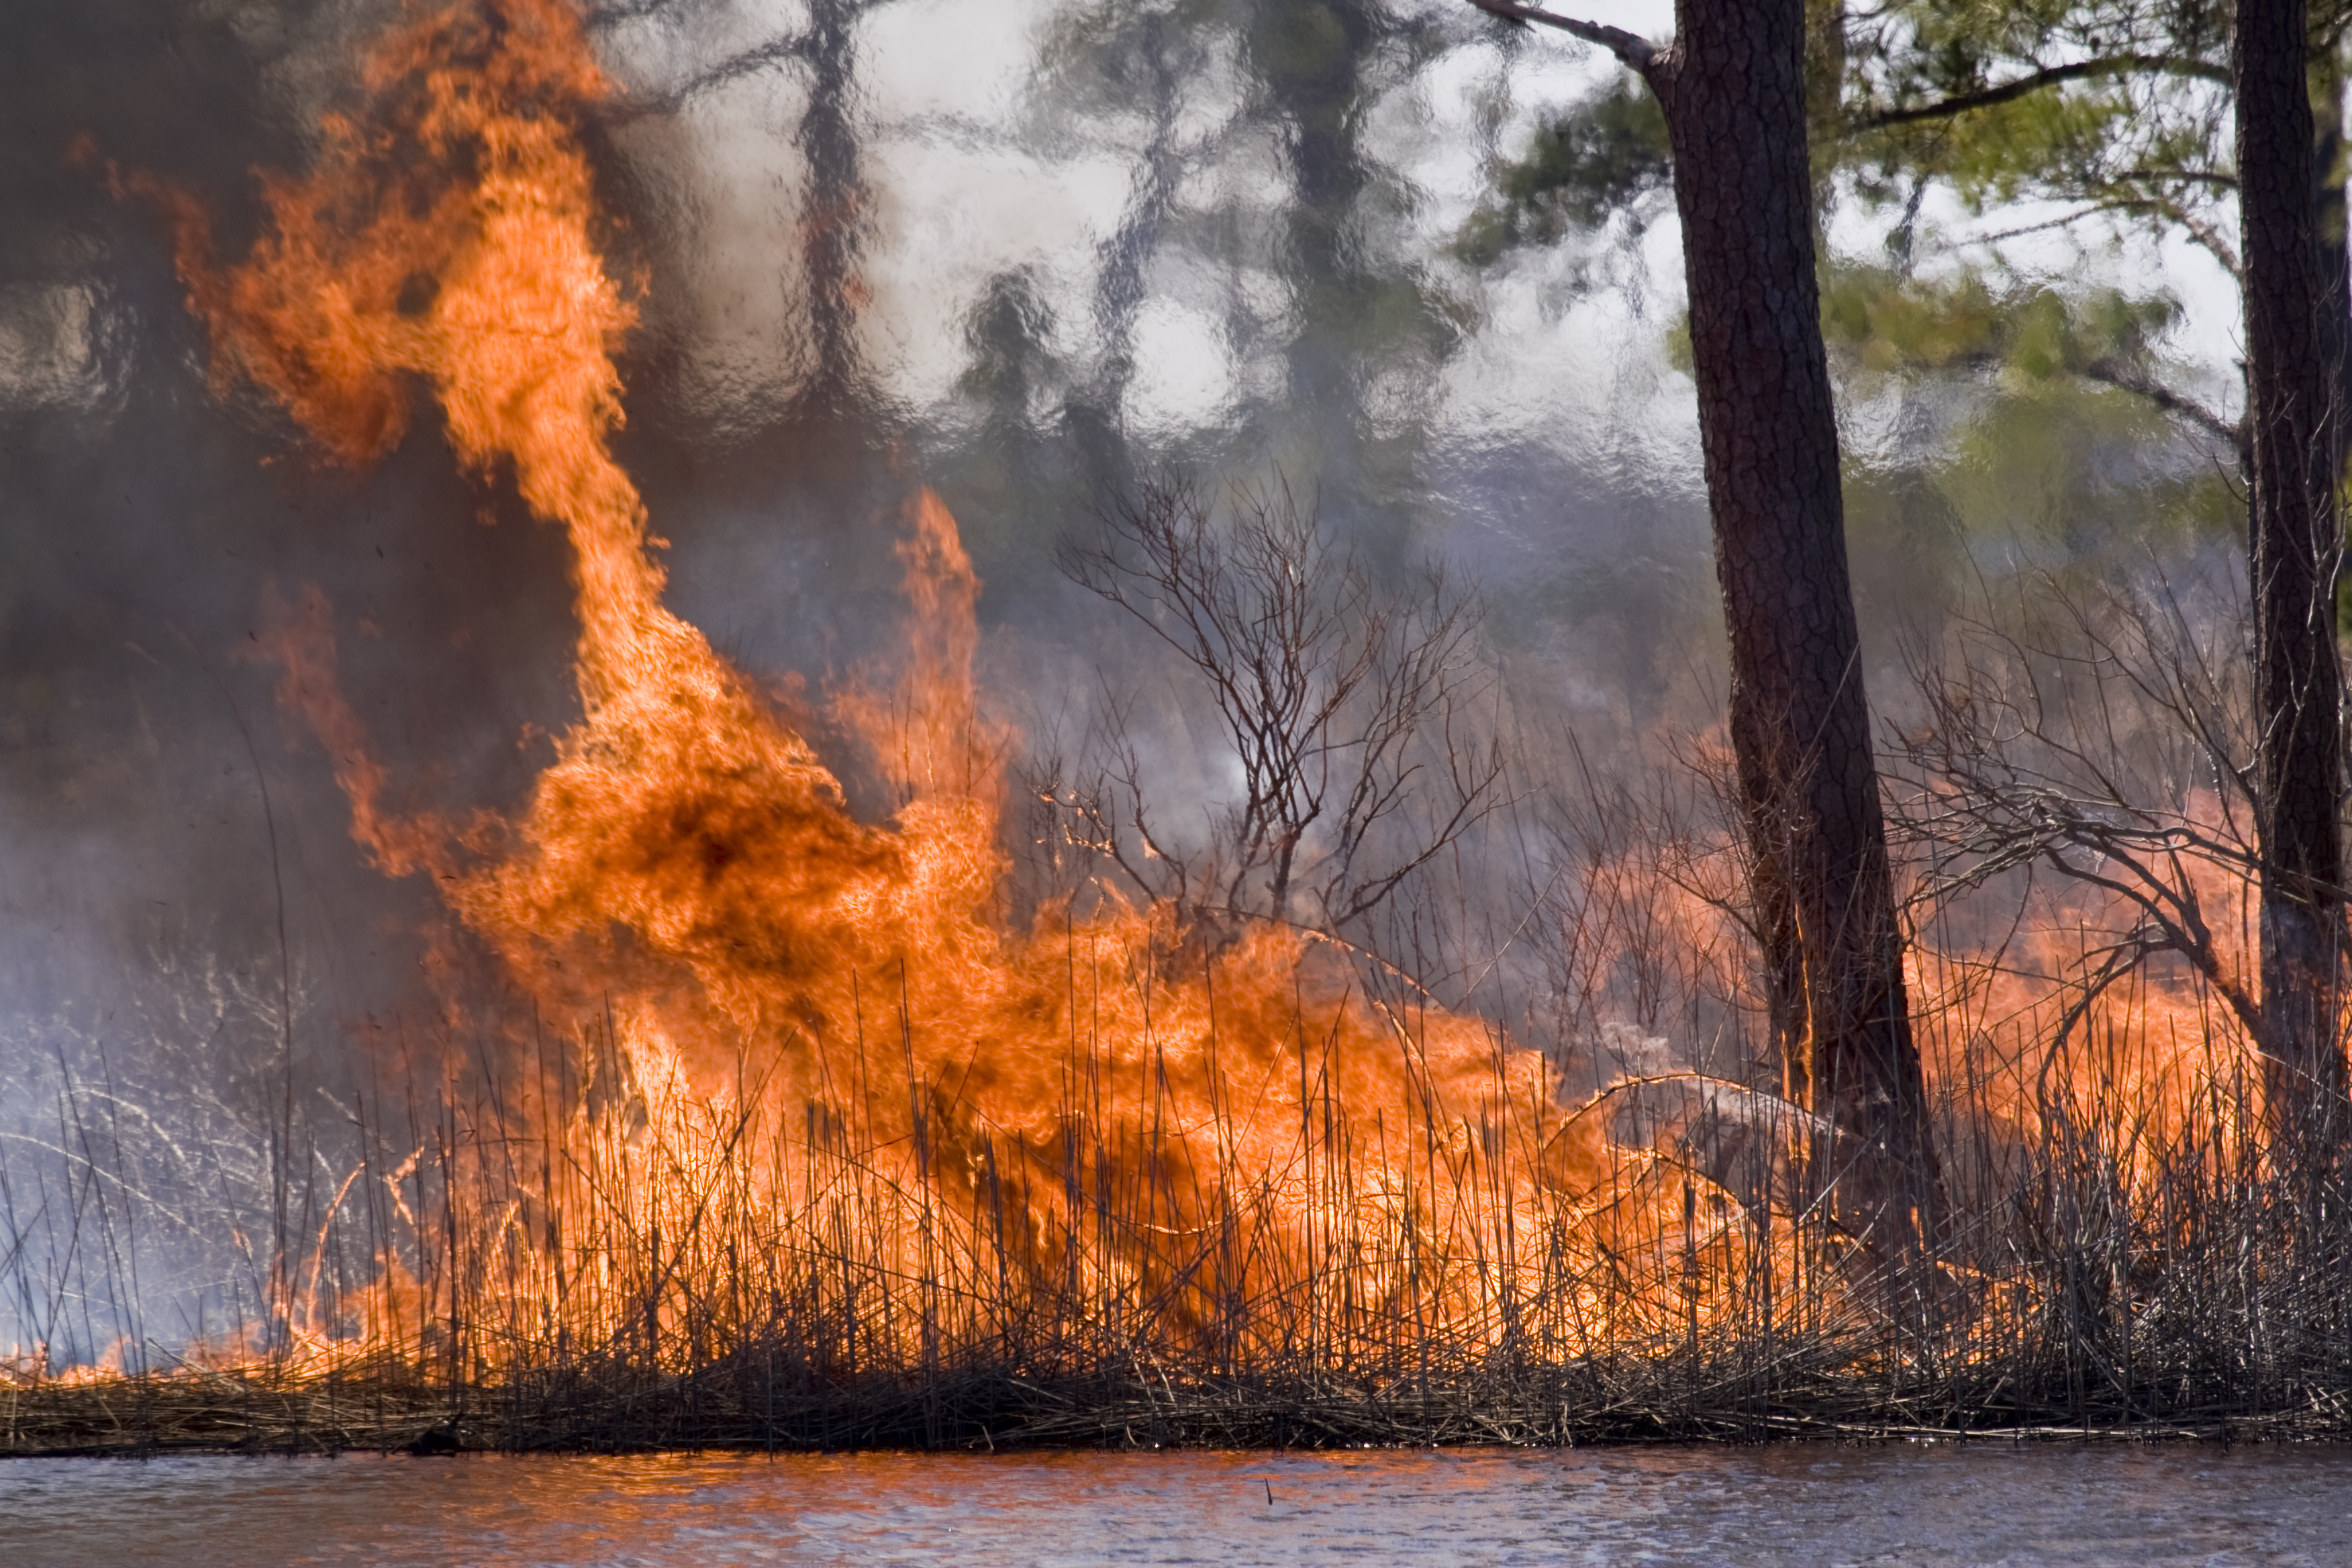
(259, 1414)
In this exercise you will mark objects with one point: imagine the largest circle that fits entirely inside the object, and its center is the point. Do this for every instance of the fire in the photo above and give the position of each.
(2080, 1020)
(817, 1075)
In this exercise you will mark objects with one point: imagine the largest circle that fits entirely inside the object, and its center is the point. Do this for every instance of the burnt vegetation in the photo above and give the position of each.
(1965, 1057)
(2121, 1250)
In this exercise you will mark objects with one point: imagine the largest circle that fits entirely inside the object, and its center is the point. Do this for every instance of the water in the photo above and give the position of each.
(1800, 1504)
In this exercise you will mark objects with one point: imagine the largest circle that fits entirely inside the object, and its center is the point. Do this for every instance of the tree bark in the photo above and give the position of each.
(2327, 154)
(1733, 88)
(834, 215)
(2295, 542)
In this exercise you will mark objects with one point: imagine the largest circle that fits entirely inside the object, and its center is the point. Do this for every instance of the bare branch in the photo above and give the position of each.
(1340, 702)
(2035, 82)
(734, 68)
(1631, 49)
(2110, 757)
(2127, 377)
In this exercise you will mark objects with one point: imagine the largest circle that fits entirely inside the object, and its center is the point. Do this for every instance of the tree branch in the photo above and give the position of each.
(2204, 234)
(2215, 243)
(749, 62)
(1631, 48)
(2034, 82)
(2130, 378)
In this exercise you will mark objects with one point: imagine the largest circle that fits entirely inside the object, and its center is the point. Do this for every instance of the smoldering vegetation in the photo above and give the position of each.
(286, 1164)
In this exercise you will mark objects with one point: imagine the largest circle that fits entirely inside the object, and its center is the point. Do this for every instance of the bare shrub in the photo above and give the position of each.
(1347, 708)
(2107, 739)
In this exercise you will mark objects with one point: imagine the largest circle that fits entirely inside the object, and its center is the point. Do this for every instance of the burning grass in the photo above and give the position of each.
(778, 1133)
(723, 1276)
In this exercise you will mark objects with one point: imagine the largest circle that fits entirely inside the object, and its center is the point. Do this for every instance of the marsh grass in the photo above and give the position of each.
(574, 1252)
(2105, 1269)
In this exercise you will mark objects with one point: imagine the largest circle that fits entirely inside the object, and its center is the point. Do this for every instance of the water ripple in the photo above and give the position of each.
(1801, 1504)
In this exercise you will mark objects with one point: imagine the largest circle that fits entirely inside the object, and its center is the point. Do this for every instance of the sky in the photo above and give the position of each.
(975, 173)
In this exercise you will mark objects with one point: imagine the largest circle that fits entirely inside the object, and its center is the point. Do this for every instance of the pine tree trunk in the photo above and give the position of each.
(1733, 90)
(2327, 156)
(2295, 545)
(834, 217)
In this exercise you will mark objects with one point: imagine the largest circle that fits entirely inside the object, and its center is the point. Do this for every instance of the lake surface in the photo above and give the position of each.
(1799, 1504)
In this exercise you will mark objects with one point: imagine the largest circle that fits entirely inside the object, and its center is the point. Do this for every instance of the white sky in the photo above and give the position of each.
(972, 174)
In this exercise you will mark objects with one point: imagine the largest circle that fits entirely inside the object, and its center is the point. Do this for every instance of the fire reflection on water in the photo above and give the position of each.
(2062, 1505)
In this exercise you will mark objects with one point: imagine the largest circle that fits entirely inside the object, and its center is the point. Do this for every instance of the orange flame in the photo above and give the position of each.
(785, 982)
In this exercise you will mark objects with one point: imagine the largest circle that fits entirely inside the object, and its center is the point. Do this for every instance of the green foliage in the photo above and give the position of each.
(2014, 412)
(2044, 435)
(1599, 158)
(2082, 466)
(2074, 422)
(2143, 138)
(1305, 51)
(1876, 321)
